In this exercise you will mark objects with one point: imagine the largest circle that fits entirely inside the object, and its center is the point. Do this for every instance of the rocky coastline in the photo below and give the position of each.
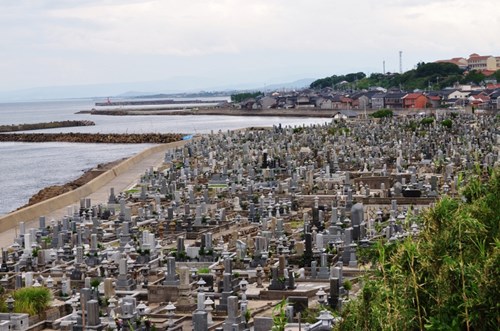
(45, 125)
(111, 138)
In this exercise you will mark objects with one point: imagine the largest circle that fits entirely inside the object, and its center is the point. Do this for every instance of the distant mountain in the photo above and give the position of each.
(175, 85)
(220, 90)
(298, 84)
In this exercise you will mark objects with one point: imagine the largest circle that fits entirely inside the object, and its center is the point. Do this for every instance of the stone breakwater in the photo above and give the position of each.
(149, 138)
(42, 126)
(216, 111)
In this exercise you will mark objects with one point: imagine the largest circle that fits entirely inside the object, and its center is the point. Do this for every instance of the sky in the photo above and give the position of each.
(211, 43)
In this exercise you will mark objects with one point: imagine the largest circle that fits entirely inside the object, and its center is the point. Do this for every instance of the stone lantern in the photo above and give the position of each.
(170, 313)
(326, 319)
(321, 294)
(209, 308)
(201, 285)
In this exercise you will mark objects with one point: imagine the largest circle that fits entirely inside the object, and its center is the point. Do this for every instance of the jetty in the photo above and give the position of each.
(45, 125)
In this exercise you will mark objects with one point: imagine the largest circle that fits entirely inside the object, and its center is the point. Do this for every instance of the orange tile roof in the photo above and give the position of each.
(413, 95)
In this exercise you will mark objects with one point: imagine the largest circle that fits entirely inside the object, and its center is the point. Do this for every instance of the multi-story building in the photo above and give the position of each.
(475, 62)
(479, 62)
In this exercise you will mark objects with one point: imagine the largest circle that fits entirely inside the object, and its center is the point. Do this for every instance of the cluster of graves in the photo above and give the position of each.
(233, 222)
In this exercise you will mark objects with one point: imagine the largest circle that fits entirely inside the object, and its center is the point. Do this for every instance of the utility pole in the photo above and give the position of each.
(400, 62)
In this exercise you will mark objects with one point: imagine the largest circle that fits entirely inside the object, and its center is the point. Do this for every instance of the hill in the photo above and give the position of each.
(426, 75)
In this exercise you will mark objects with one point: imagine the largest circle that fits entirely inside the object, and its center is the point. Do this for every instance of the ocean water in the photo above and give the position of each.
(26, 168)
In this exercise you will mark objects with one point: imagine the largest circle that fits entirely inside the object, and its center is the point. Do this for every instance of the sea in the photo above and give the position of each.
(26, 168)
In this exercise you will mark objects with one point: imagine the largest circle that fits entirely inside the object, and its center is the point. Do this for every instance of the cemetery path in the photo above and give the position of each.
(101, 195)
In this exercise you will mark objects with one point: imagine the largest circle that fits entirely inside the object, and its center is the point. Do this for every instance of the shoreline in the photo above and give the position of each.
(119, 177)
(56, 190)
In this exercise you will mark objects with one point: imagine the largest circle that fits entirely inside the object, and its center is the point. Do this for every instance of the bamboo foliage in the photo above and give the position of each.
(445, 279)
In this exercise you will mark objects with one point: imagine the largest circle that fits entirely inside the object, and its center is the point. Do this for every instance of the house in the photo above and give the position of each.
(248, 104)
(459, 61)
(455, 102)
(326, 103)
(492, 86)
(341, 102)
(415, 100)
(434, 99)
(304, 101)
(479, 100)
(363, 100)
(494, 102)
(394, 100)
(454, 94)
(378, 100)
(268, 102)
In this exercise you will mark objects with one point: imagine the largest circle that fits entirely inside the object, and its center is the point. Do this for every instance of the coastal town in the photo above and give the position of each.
(346, 95)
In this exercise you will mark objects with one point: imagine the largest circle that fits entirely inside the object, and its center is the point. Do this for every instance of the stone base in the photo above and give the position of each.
(162, 293)
(185, 305)
(123, 284)
(99, 327)
(236, 326)
(323, 273)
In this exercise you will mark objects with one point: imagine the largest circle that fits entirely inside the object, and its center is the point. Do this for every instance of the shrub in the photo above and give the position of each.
(95, 282)
(447, 123)
(382, 113)
(32, 300)
(427, 120)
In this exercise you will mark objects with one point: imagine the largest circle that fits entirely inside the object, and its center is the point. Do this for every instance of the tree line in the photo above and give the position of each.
(424, 76)
(239, 97)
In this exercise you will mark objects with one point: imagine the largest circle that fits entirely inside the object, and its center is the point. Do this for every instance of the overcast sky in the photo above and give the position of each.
(219, 42)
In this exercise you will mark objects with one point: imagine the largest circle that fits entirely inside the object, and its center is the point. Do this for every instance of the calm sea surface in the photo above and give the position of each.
(26, 168)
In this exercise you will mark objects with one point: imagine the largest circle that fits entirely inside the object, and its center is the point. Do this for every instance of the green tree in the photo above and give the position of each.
(239, 97)
(382, 113)
(427, 121)
(474, 76)
(447, 123)
(496, 76)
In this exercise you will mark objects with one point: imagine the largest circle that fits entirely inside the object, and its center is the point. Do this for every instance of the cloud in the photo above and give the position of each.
(238, 38)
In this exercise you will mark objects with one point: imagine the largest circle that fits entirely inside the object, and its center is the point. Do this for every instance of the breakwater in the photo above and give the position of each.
(156, 102)
(42, 126)
(150, 138)
(218, 112)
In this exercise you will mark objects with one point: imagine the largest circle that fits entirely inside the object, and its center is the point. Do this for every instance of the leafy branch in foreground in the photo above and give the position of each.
(446, 278)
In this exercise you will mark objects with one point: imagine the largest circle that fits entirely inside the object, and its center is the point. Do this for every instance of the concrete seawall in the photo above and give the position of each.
(46, 207)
